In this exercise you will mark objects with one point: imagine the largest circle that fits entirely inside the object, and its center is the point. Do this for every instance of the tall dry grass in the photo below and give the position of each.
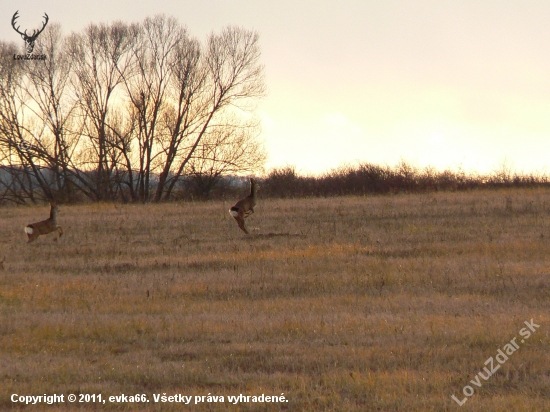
(387, 303)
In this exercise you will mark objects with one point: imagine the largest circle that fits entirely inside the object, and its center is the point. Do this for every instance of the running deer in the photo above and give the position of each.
(245, 207)
(45, 226)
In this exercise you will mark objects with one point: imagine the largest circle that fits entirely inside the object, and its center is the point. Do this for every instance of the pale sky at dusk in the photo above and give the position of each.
(443, 83)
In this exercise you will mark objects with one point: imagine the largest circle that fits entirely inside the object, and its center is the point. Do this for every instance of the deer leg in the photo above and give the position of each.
(240, 221)
(59, 232)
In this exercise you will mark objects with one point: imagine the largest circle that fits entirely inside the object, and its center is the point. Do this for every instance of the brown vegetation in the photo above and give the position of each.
(367, 178)
(388, 303)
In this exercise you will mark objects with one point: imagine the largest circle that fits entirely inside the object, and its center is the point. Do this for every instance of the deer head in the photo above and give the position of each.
(29, 40)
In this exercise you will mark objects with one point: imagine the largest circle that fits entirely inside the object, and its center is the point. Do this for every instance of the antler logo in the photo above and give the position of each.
(29, 40)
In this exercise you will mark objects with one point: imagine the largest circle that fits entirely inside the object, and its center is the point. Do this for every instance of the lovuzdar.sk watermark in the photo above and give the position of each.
(29, 57)
(29, 39)
(501, 358)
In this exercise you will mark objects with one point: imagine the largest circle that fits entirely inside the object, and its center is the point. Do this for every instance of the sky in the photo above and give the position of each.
(436, 83)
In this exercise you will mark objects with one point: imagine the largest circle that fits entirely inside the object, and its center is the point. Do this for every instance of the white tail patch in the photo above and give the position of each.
(29, 230)
(233, 213)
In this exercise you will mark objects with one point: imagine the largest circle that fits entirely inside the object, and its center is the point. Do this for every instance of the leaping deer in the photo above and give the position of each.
(45, 226)
(29, 40)
(245, 207)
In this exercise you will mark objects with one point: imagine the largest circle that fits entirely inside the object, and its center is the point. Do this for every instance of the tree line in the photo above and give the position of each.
(128, 112)
(368, 179)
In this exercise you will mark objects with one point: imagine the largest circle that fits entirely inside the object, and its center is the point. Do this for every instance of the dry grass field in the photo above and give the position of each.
(390, 303)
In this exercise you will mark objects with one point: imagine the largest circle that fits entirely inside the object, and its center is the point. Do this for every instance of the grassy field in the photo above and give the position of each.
(390, 303)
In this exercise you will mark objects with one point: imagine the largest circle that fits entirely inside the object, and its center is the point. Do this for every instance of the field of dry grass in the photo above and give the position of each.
(389, 303)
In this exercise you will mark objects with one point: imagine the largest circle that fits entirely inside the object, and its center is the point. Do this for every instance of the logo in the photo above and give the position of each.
(29, 39)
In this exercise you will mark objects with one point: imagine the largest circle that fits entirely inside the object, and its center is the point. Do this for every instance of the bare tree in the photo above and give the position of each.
(231, 78)
(100, 58)
(180, 95)
(21, 172)
(129, 110)
(53, 105)
(185, 109)
(155, 57)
